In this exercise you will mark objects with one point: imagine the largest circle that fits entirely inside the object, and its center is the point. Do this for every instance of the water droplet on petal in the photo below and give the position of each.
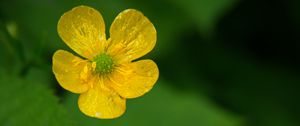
(98, 114)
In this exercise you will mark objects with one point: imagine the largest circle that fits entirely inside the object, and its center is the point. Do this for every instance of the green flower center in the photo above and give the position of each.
(104, 63)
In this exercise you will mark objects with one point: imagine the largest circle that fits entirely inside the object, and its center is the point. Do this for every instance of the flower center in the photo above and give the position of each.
(104, 63)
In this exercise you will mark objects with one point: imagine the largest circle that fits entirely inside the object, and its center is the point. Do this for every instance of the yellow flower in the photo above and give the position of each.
(106, 75)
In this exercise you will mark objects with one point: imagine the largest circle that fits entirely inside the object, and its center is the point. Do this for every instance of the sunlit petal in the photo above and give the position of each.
(132, 35)
(134, 79)
(101, 102)
(71, 72)
(83, 30)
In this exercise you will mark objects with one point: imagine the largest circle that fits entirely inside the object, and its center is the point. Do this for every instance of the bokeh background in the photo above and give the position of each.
(222, 63)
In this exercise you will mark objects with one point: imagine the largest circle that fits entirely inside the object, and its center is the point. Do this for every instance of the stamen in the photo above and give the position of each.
(103, 63)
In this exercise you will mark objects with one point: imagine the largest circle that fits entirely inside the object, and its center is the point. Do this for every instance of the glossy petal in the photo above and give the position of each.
(134, 79)
(132, 35)
(101, 102)
(71, 72)
(83, 30)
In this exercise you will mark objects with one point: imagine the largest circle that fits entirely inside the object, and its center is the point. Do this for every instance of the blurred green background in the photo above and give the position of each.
(222, 63)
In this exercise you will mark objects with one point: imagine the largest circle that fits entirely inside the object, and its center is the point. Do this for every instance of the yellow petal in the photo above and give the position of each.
(101, 102)
(134, 79)
(71, 72)
(132, 35)
(83, 30)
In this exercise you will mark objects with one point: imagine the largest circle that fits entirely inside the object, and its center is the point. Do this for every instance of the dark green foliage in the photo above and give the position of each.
(28, 103)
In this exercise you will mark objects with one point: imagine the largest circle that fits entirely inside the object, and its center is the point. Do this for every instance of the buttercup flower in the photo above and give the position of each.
(106, 75)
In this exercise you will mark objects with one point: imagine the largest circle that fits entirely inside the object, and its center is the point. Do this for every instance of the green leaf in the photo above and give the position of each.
(163, 107)
(26, 103)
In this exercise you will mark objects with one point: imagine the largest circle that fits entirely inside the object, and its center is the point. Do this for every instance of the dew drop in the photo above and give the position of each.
(98, 114)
